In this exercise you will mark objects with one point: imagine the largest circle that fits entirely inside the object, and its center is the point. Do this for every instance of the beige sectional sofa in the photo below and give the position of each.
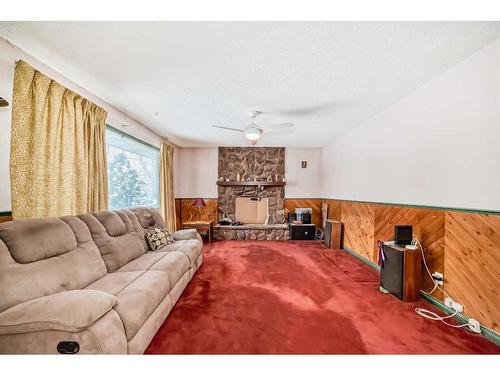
(89, 279)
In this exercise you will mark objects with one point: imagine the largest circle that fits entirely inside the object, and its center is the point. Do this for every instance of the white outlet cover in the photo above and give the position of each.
(457, 306)
(453, 305)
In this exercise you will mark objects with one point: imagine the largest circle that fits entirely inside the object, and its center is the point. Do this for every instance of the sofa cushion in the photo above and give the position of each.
(118, 235)
(70, 311)
(74, 269)
(158, 238)
(114, 283)
(143, 263)
(185, 234)
(112, 222)
(175, 246)
(190, 248)
(138, 300)
(174, 264)
(35, 239)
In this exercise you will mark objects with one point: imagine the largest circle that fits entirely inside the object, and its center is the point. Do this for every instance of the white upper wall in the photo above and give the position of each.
(303, 182)
(439, 146)
(196, 172)
(9, 54)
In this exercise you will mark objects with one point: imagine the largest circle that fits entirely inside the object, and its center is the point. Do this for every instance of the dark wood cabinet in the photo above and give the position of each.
(400, 272)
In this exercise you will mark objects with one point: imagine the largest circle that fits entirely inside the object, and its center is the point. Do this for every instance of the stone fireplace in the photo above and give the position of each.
(250, 179)
(252, 164)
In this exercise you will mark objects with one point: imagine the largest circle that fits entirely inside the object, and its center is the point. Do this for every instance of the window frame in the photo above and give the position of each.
(140, 141)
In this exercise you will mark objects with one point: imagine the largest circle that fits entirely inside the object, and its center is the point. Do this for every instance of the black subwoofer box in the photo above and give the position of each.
(302, 232)
(391, 273)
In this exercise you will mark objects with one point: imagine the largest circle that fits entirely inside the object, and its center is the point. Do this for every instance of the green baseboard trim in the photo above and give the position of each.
(5, 213)
(457, 209)
(363, 259)
(488, 333)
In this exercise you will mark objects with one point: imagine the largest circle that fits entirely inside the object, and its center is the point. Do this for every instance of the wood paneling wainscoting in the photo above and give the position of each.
(472, 264)
(315, 203)
(184, 210)
(5, 216)
(464, 246)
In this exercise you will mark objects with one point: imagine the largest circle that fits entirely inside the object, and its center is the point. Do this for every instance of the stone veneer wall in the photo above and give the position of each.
(233, 233)
(250, 163)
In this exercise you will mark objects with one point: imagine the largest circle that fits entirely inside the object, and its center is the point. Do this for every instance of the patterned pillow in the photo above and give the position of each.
(159, 237)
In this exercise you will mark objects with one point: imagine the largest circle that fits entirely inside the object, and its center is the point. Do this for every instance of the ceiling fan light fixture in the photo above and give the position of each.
(253, 134)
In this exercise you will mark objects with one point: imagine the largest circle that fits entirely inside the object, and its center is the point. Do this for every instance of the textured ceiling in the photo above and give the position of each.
(179, 78)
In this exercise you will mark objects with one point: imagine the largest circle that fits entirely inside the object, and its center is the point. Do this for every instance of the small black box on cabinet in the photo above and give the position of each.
(403, 235)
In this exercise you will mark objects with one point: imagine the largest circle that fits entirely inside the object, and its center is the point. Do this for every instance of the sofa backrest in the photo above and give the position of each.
(39, 257)
(118, 235)
(148, 218)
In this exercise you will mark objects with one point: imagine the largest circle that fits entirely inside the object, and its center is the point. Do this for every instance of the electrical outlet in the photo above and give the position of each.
(453, 305)
(474, 325)
(438, 278)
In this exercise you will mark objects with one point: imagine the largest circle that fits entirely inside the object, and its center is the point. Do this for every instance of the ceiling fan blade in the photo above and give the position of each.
(227, 128)
(283, 125)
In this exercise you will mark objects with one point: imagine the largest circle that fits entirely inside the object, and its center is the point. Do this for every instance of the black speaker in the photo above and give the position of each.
(391, 272)
(302, 231)
(327, 240)
(403, 235)
(306, 218)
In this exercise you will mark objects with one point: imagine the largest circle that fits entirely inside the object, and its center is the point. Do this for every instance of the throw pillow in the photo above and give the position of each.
(158, 238)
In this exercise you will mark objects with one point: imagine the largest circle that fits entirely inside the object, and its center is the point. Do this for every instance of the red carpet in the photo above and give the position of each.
(296, 297)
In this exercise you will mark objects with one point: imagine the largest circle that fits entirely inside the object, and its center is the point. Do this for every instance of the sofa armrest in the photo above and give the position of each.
(185, 234)
(70, 311)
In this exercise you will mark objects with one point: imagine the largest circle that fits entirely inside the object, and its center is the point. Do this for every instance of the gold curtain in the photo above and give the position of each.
(58, 152)
(167, 200)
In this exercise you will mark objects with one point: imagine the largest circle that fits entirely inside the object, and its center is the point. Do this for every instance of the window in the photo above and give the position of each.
(133, 171)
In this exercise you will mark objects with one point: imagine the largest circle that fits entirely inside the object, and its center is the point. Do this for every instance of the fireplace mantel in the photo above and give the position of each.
(250, 183)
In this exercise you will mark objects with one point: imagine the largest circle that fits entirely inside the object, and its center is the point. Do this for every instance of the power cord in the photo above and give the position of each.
(427, 313)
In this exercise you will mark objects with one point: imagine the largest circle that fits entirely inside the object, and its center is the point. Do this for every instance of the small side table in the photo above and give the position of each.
(200, 225)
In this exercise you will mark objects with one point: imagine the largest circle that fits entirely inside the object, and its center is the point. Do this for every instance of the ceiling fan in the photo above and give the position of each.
(253, 132)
